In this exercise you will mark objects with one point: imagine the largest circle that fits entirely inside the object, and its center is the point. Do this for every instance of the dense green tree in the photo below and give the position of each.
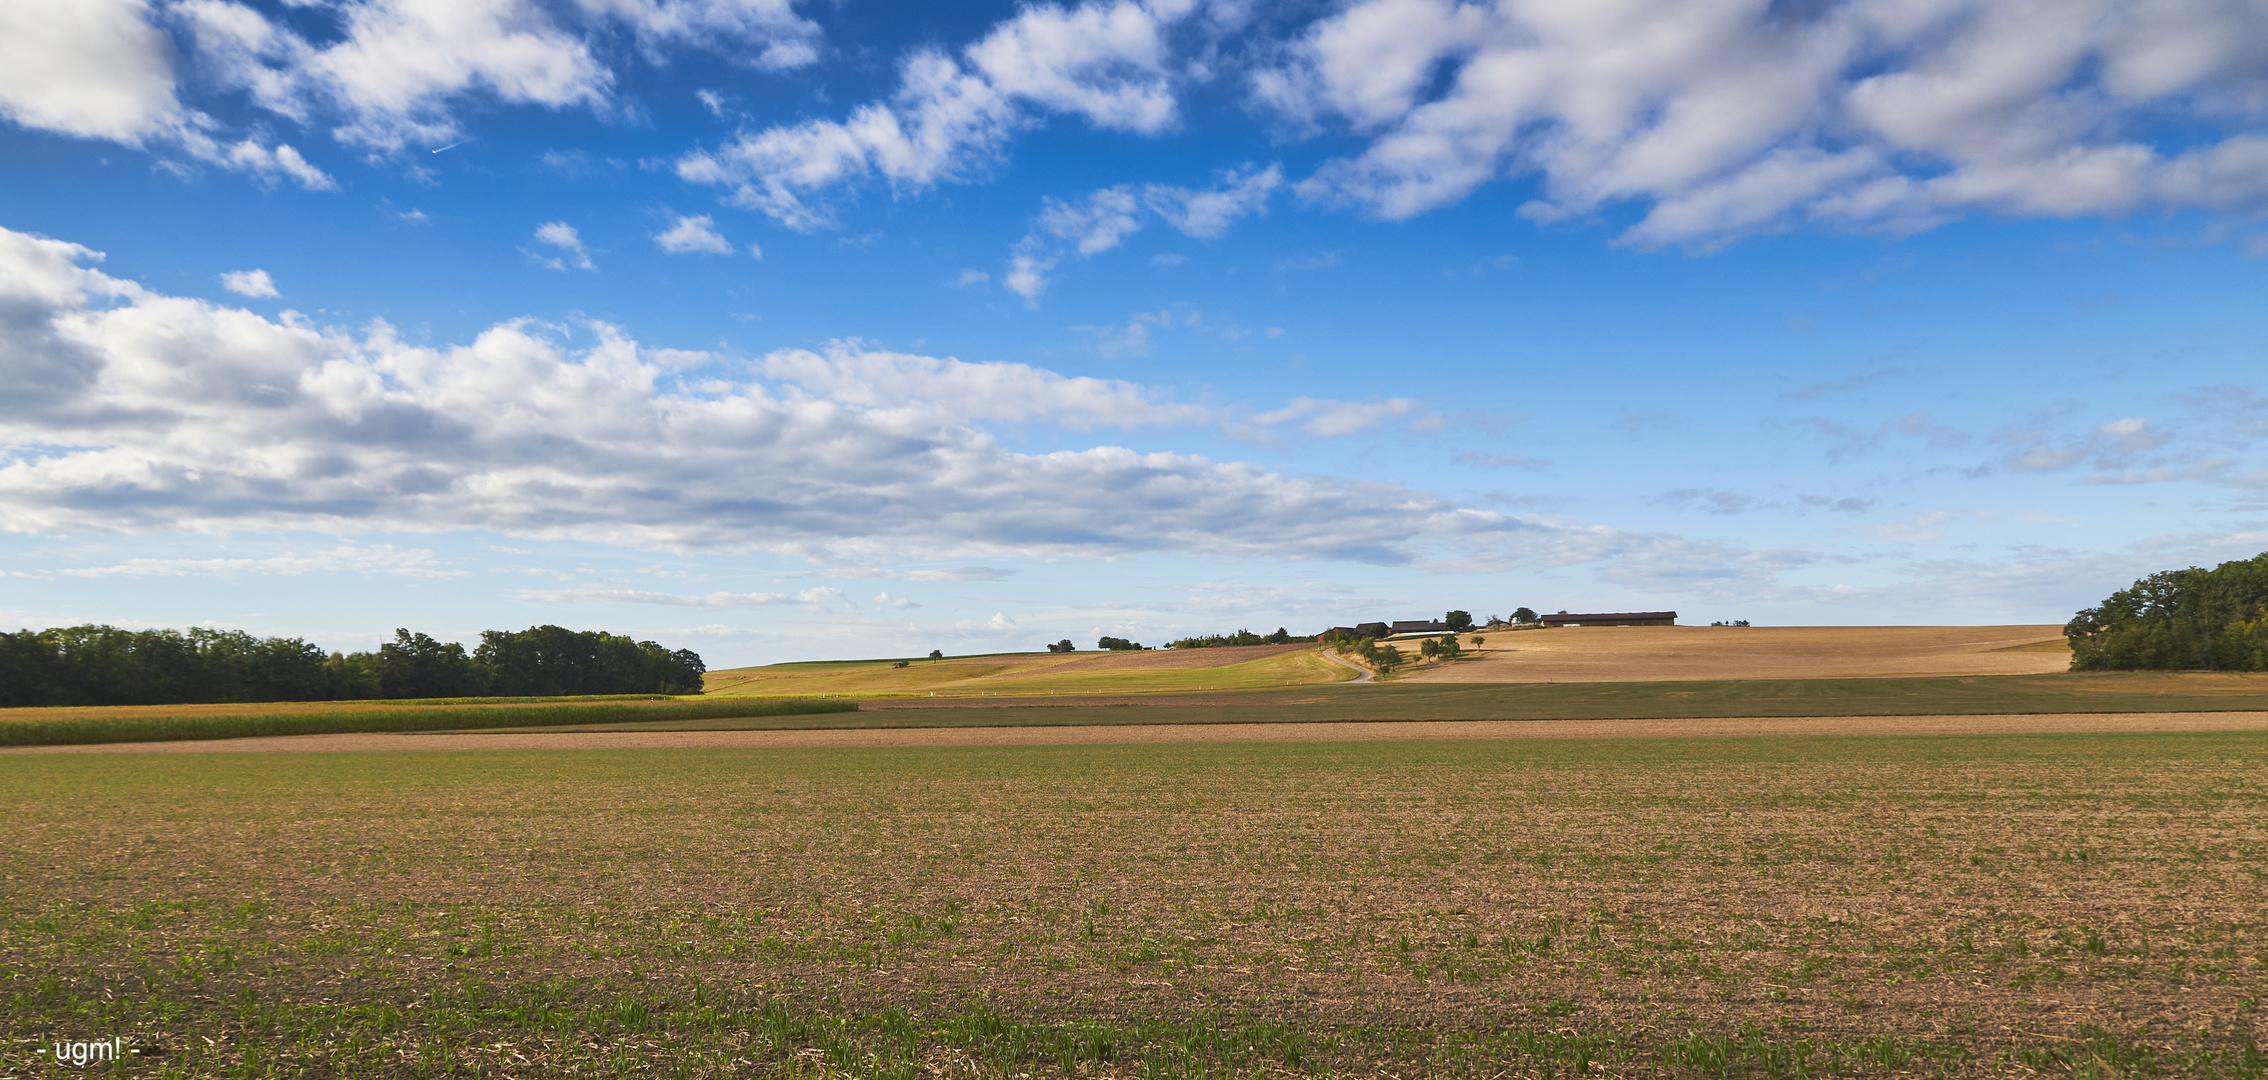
(108, 665)
(2179, 619)
(1524, 614)
(1458, 621)
(552, 660)
(30, 671)
(416, 666)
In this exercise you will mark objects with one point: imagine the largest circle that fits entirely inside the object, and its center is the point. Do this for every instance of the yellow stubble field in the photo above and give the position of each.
(1683, 653)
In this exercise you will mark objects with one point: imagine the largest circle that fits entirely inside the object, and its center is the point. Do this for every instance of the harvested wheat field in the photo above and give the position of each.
(1025, 674)
(1667, 653)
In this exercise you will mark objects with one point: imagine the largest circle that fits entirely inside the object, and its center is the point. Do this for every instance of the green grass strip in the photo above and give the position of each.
(111, 729)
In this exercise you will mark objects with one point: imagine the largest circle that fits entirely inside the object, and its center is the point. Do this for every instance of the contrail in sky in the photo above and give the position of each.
(452, 146)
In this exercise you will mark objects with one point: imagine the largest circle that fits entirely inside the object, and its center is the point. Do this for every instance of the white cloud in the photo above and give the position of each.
(1109, 215)
(134, 411)
(1106, 62)
(2112, 445)
(1724, 119)
(766, 34)
(266, 164)
(949, 391)
(607, 594)
(694, 234)
(887, 600)
(1207, 214)
(399, 64)
(944, 574)
(1329, 419)
(347, 558)
(563, 236)
(98, 69)
(95, 69)
(249, 283)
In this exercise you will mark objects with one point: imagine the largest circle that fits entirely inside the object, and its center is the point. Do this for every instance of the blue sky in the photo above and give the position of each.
(789, 330)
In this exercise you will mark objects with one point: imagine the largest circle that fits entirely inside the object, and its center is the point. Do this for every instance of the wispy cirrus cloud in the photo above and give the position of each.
(344, 559)
(819, 596)
(1106, 217)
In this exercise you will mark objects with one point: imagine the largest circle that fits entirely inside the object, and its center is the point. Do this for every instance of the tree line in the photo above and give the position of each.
(109, 665)
(1241, 637)
(2191, 619)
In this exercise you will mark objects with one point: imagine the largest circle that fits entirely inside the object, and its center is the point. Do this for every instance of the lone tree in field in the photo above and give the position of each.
(935, 655)
(1458, 621)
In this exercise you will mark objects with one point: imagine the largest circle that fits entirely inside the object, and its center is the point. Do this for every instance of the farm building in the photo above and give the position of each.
(1420, 626)
(1620, 618)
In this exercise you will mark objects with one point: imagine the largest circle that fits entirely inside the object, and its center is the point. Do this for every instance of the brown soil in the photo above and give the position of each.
(1390, 901)
(1353, 731)
(1673, 653)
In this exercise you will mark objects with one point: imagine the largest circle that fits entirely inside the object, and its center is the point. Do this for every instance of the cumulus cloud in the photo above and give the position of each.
(1721, 119)
(95, 69)
(130, 410)
(1107, 63)
(99, 69)
(398, 67)
(398, 64)
(568, 242)
(255, 283)
(692, 234)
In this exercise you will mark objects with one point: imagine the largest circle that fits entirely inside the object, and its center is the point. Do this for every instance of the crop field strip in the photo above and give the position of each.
(149, 723)
(1953, 696)
(1962, 906)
